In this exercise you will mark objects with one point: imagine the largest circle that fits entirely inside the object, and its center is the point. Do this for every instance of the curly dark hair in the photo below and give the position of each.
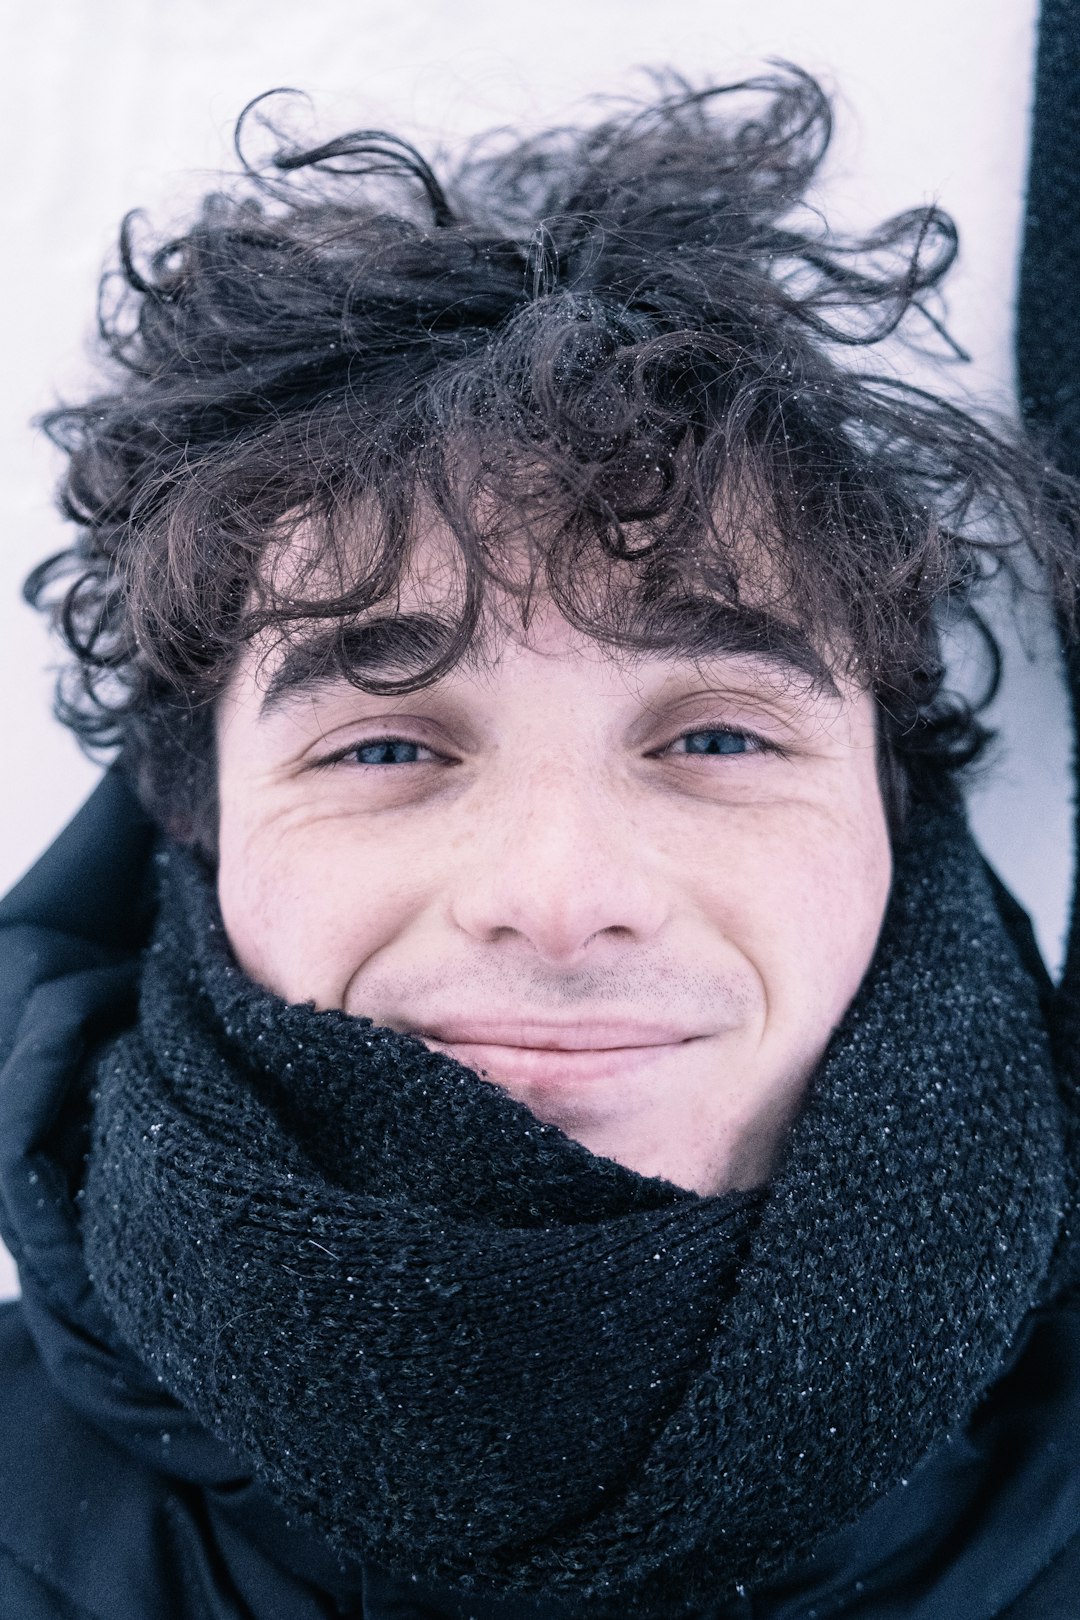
(624, 353)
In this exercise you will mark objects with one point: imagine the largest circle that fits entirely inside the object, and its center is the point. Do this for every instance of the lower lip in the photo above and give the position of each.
(550, 1066)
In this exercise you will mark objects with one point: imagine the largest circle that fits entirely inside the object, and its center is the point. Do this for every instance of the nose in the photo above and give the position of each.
(557, 866)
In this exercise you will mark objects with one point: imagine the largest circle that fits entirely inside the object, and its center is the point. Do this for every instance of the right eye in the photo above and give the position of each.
(388, 751)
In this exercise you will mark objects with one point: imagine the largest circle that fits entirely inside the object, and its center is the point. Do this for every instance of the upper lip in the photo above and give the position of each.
(583, 1035)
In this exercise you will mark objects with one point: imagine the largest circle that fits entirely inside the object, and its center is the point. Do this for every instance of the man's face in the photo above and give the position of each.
(636, 893)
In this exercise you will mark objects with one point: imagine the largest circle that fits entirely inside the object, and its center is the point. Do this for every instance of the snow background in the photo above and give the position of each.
(128, 103)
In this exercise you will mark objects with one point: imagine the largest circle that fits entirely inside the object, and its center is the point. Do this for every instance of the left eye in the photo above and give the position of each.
(388, 751)
(715, 742)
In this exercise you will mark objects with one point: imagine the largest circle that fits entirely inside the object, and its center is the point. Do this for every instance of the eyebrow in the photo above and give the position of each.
(700, 627)
(392, 647)
(401, 646)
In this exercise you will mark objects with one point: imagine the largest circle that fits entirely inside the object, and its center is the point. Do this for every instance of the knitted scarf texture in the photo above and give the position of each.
(460, 1346)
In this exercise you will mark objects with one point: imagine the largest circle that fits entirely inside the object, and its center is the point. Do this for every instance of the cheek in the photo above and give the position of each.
(837, 914)
(839, 886)
(305, 907)
(804, 902)
(309, 890)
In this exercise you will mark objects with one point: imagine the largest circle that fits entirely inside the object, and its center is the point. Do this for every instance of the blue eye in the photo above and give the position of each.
(717, 742)
(386, 751)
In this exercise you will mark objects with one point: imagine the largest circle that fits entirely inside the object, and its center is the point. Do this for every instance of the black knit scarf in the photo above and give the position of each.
(463, 1347)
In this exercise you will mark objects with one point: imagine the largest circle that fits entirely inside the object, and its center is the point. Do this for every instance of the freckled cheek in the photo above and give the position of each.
(802, 902)
(836, 905)
(304, 911)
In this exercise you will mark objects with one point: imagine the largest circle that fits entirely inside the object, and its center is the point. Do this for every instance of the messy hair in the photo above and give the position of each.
(620, 366)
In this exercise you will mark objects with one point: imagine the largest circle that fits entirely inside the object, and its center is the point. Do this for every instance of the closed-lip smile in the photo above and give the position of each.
(543, 1052)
